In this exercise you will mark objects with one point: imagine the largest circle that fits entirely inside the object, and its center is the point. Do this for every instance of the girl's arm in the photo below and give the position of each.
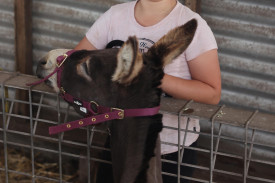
(205, 84)
(85, 44)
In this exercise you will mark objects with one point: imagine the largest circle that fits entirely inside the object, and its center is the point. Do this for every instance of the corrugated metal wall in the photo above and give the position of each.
(63, 23)
(7, 35)
(245, 32)
(244, 29)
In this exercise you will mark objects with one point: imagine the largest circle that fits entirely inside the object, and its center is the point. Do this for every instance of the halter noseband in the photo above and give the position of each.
(102, 113)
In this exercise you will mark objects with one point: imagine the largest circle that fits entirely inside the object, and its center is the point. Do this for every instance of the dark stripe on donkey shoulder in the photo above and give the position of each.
(151, 141)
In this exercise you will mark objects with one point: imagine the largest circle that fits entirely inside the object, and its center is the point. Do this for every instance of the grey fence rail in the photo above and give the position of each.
(222, 156)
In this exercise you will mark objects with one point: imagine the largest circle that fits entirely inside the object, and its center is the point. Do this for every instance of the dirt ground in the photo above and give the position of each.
(19, 160)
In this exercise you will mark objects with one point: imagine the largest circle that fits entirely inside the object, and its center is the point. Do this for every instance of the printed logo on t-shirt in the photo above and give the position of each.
(144, 44)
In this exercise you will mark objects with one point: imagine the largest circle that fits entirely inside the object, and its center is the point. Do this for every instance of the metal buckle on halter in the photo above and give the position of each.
(65, 57)
(120, 113)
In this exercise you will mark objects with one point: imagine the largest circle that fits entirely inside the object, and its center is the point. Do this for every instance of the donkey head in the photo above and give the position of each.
(123, 78)
(118, 67)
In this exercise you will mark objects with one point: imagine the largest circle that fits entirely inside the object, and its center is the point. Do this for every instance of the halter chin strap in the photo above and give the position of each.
(101, 114)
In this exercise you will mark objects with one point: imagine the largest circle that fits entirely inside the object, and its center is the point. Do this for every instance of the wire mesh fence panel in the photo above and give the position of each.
(233, 145)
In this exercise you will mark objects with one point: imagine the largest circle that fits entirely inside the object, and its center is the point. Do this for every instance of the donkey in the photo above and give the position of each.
(124, 78)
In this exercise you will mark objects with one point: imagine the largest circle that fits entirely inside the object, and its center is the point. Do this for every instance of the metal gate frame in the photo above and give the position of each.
(66, 146)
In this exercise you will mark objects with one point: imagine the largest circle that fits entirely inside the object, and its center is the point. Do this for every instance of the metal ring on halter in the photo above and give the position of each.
(93, 102)
(64, 59)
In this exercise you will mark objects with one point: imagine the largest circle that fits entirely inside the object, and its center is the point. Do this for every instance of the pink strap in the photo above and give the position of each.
(44, 79)
(141, 112)
(60, 60)
(115, 114)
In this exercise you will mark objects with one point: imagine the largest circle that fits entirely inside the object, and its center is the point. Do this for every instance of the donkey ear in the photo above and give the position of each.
(174, 42)
(129, 62)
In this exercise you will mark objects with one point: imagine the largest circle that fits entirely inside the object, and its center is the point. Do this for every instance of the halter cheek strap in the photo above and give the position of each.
(101, 114)
(59, 64)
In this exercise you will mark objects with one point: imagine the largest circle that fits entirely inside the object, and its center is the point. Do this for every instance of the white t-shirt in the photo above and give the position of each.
(118, 23)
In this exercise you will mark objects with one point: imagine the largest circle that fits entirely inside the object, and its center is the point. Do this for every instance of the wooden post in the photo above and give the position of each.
(23, 47)
(23, 35)
(194, 5)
